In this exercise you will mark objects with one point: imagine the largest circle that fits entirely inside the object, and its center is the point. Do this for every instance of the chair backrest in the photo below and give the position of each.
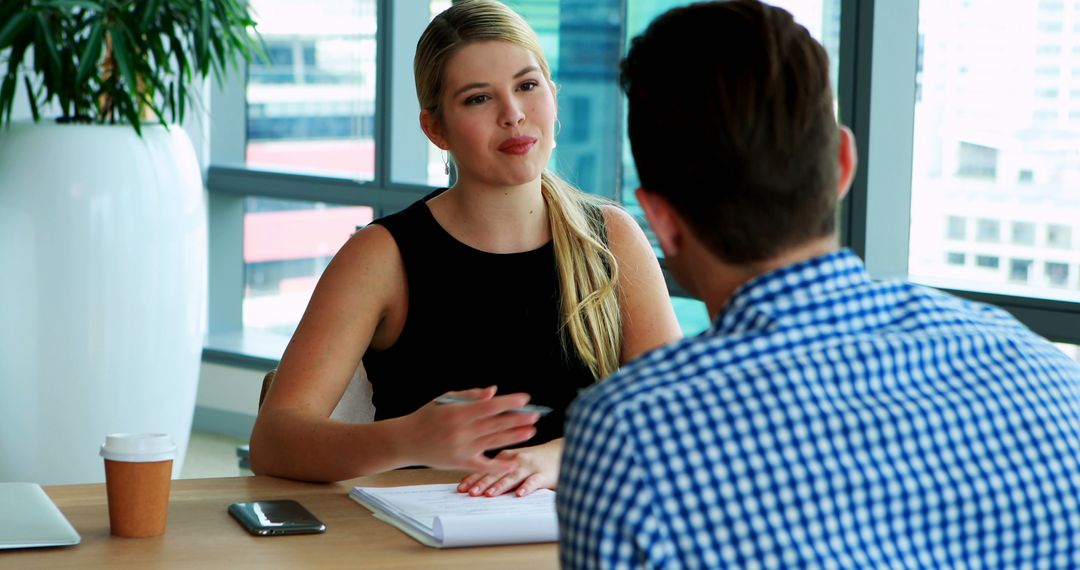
(267, 381)
(355, 405)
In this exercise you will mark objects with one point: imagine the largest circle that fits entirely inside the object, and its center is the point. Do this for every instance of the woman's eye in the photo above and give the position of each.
(529, 86)
(476, 99)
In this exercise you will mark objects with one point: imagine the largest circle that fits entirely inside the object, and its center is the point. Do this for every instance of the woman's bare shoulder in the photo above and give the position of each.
(625, 236)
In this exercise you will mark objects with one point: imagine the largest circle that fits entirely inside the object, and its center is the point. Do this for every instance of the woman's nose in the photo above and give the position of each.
(512, 114)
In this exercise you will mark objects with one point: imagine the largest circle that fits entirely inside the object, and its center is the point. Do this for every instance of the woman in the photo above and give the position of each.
(510, 277)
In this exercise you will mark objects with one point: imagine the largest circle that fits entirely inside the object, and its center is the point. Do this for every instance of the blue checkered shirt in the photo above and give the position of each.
(828, 421)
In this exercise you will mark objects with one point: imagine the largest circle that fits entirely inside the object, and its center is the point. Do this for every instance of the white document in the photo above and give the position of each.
(439, 516)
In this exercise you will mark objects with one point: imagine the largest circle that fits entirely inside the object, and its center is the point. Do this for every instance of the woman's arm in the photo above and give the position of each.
(648, 322)
(361, 300)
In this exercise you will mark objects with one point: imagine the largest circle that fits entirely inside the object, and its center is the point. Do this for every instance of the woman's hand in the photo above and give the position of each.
(534, 468)
(455, 436)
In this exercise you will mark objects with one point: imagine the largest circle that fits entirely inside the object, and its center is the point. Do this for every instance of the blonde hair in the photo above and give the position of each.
(587, 271)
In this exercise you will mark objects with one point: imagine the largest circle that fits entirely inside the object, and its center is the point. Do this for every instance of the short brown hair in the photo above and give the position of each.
(731, 120)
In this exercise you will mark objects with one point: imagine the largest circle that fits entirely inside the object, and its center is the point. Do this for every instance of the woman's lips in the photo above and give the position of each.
(517, 145)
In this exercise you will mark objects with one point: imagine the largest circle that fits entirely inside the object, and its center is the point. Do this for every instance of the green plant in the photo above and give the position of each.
(100, 60)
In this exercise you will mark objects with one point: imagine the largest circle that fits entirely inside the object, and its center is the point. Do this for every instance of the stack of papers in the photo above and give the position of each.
(440, 517)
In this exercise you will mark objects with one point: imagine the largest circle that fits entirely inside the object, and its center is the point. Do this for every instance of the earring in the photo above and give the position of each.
(446, 164)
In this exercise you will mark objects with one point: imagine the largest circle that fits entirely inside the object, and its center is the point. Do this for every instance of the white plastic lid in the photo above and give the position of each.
(138, 447)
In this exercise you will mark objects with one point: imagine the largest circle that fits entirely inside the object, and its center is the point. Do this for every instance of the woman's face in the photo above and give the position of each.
(498, 114)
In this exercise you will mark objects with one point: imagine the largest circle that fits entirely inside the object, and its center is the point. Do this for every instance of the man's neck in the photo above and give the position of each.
(715, 281)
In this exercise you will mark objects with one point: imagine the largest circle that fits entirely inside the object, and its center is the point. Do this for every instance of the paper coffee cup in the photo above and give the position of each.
(138, 475)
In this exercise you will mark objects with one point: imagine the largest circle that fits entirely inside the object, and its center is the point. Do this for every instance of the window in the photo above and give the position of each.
(287, 245)
(1057, 273)
(957, 227)
(1058, 235)
(1023, 233)
(1072, 350)
(1019, 270)
(987, 230)
(321, 153)
(311, 107)
(996, 149)
(976, 161)
(820, 17)
(962, 146)
(693, 317)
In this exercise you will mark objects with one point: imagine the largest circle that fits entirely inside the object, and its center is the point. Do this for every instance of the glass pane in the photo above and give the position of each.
(1072, 350)
(820, 17)
(997, 128)
(413, 159)
(582, 42)
(692, 315)
(287, 245)
(311, 107)
(436, 171)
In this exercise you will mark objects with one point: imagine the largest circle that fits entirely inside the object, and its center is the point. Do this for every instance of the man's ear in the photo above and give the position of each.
(433, 129)
(848, 161)
(665, 222)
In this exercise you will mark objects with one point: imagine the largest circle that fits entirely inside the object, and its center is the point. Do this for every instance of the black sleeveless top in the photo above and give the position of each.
(474, 319)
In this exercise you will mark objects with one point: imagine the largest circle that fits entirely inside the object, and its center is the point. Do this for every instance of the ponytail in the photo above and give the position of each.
(588, 276)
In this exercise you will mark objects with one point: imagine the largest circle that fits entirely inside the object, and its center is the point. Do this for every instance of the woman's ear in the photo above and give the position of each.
(433, 129)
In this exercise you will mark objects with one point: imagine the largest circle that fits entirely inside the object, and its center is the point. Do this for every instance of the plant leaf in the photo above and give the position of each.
(203, 51)
(15, 57)
(33, 99)
(123, 55)
(171, 99)
(181, 98)
(12, 29)
(128, 110)
(46, 34)
(69, 4)
(90, 56)
(7, 97)
(150, 14)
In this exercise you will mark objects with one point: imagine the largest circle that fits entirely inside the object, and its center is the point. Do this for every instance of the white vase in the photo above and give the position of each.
(103, 259)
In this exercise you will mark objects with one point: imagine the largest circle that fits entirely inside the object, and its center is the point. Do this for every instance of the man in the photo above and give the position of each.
(824, 420)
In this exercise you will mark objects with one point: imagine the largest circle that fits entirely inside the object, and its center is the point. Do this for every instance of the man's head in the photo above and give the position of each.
(731, 124)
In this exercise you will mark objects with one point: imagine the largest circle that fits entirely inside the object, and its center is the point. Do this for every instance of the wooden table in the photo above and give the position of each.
(202, 535)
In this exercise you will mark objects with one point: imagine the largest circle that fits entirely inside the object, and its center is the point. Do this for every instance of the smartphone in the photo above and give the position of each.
(266, 518)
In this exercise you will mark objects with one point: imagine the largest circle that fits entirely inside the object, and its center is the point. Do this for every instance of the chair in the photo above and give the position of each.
(355, 404)
(267, 381)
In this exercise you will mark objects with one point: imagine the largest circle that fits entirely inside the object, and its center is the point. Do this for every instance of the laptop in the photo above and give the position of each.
(28, 518)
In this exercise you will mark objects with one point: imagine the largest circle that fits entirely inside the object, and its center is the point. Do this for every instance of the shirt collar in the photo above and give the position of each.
(789, 288)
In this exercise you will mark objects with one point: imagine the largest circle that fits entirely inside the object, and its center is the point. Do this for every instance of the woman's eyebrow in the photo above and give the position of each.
(469, 86)
(527, 70)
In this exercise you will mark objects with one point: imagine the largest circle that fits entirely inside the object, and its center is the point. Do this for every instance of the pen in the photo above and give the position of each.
(530, 408)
